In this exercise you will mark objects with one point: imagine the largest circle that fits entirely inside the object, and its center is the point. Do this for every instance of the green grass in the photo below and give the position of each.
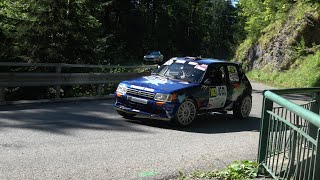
(238, 170)
(304, 73)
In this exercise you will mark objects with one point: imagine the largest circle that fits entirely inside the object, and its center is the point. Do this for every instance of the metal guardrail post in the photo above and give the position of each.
(2, 95)
(316, 109)
(58, 87)
(316, 172)
(293, 151)
(264, 127)
(99, 89)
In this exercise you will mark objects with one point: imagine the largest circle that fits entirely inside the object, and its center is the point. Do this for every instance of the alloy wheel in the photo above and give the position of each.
(186, 113)
(246, 106)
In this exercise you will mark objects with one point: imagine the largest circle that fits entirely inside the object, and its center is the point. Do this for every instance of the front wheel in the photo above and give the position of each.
(186, 113)
(242, 107)
(125, 115)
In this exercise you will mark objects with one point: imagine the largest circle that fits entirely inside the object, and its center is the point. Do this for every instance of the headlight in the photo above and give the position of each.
(122, 89)
(163, 97)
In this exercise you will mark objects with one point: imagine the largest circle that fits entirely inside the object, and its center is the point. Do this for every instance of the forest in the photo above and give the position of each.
(122, 31)
(104, 31)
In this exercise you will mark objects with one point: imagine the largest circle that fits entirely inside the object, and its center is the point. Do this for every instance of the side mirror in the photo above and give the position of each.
(208, 82)
(156, 70)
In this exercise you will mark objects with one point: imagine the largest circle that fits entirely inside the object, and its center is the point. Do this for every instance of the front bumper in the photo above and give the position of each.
(141, 113)
(151, 59)
(150, 109)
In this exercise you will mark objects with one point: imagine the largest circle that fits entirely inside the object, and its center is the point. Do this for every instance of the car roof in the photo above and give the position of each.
(207, 61)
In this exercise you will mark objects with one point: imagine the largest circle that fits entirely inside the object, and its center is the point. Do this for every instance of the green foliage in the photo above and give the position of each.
(242, 50)
(260, 13)
(176, 28)
(238, 170)
(261, 20)
(110, 31)
(300, 48)
(304, 73)
(50, 31)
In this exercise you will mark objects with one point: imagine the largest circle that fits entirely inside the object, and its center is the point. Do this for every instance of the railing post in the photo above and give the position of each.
(316, 109)
(2, 95)
(293, 149)
(99, 89)
(316, 170)
(58, 87)
(316, 106)
(264, 127)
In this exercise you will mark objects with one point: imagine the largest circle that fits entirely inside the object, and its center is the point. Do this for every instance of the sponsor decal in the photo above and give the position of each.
(232, 69)
(142, 88)
(181, 98)
(193, 63)
(180, 61)
(156, 80)
(168, 63)
(217, 97)
(233, 74)
(201, 67)
(213, 92)
(184, 82)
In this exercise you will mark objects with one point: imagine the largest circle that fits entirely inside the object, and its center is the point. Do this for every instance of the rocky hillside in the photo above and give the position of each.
(287, 47)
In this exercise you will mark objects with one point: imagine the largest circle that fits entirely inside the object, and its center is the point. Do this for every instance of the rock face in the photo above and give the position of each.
(278, 49)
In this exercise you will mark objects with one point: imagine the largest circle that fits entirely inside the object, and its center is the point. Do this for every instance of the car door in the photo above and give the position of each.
(215, 87)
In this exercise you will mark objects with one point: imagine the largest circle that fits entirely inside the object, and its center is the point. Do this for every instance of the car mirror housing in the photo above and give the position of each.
(155, 71)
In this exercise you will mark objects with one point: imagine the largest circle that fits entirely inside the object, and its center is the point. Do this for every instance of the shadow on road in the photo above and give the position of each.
(60, 118)
(209, 124)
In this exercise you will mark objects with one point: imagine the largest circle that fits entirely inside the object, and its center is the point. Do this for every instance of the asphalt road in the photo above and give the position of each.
(89, 140)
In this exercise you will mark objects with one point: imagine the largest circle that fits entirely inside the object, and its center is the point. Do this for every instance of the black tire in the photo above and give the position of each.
(126, 115)
(242, 107)
(186, 114)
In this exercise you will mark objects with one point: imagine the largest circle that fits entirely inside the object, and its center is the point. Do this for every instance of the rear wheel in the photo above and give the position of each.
(126, 115)
(186, 113)
(242, 107)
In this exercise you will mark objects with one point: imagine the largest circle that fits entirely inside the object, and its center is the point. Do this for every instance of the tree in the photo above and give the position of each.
(51, 31)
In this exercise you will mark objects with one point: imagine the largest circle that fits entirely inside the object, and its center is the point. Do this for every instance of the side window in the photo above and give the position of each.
(233, 74)
(217, 75)
(224, 75)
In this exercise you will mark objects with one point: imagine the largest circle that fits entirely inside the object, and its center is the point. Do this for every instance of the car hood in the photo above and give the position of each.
(158, 84)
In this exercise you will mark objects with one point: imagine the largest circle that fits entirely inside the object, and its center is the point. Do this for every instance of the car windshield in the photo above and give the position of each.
(154, 53)
(185, 70)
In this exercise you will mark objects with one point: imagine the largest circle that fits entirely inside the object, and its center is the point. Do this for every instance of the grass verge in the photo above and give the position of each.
(238, 170)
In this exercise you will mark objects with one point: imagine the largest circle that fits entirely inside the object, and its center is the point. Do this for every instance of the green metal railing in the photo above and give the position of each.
(289, 146)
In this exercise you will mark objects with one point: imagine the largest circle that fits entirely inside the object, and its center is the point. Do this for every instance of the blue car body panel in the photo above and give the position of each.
(155, 84)
(159, 84)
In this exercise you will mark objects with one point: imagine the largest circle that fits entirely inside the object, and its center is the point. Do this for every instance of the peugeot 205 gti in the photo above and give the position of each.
(183, 88)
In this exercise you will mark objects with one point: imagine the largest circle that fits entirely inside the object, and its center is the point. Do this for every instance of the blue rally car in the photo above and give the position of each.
(183, 88)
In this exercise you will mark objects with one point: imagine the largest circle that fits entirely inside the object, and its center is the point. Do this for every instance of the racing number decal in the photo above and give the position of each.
(217, 97)
(213, 92)
(232, 69)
